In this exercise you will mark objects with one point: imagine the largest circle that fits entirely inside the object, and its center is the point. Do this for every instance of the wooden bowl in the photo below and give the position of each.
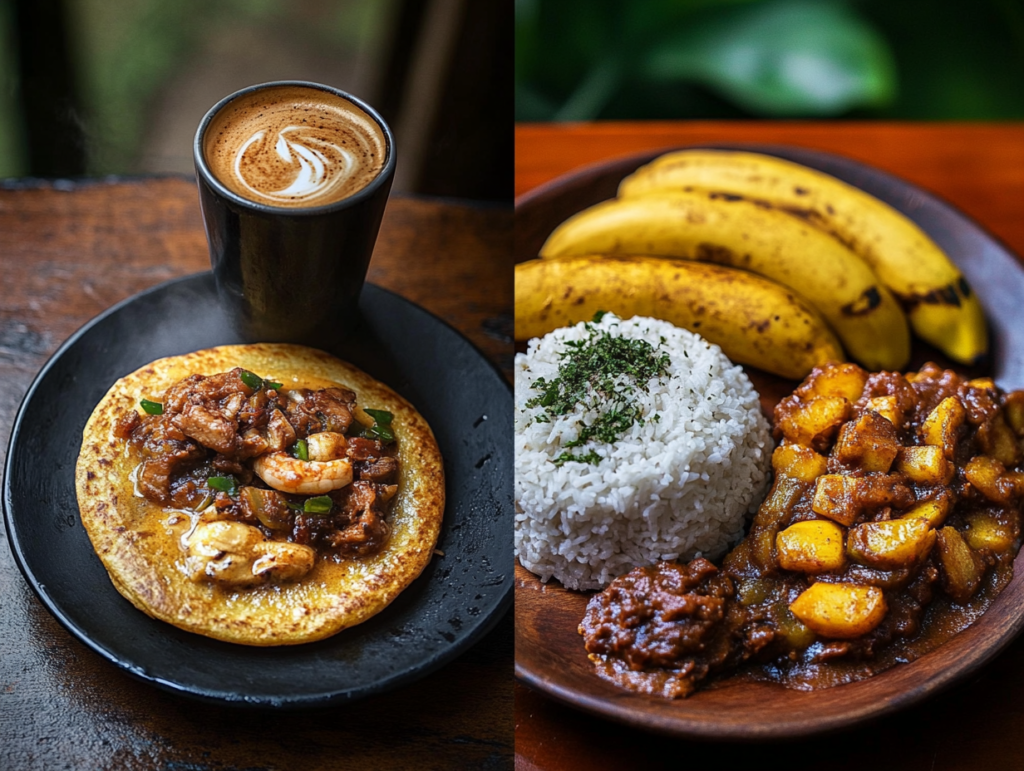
(549, 651)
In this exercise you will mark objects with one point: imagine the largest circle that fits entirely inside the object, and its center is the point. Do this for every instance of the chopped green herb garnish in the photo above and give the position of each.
(152, 408)
(383, 417)
(591, 457)
(598, 316)
(599, 373)
(255, 382)
(251, 380)
(301, 450)
(224, 484)
(321, 504)
(381, 428)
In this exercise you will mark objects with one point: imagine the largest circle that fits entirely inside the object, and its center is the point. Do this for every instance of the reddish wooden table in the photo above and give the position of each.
(69, 251)
(977, 725)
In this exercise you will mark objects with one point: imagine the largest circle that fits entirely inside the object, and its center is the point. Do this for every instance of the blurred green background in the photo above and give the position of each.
(854, 59)
(145, 71)
(97, 87)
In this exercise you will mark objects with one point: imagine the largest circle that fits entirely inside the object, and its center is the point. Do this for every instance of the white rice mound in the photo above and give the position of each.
(675, 487)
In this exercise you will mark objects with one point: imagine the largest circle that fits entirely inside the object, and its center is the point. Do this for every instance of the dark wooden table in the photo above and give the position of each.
(976, 725)
(69, 251)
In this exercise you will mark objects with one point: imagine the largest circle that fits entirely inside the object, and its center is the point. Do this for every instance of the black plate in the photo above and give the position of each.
(456, 600)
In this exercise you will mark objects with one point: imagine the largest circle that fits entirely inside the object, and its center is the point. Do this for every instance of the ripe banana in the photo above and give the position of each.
(730, 230)
(753, 320)
(938, 301)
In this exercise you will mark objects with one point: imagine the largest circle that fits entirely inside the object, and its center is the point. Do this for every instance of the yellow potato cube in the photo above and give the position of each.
(934, 511)
(999, 441)
(925, 465)
(987, 531)
(986, 383)
(888, 408)
(869, 443)
(834, 497)
(799, 462)
(840, 610)
(1013, 408)
(962, 569)
(894, 543)
(814, 419)
(1013, 483)
(984, 474)
(812, 546)
(940, 427)
(845, 380)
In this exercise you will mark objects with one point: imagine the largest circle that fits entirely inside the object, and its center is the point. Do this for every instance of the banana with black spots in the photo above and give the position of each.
(938, 301)
(755, 321)
(733, 231)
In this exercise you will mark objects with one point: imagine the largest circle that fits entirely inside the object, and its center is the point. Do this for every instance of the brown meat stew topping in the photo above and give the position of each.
(204, 449)
(892, 524)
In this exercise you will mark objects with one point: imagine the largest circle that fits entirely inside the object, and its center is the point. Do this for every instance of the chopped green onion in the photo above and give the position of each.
(204, 504)
(224, 484)
(382, 417)
(255, 382)
(321, 504)
(381, 428)
(152, 408)
(383, 433)
(301, 450)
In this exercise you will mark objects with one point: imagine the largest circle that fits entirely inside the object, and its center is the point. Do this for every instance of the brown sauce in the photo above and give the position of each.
(891, 525)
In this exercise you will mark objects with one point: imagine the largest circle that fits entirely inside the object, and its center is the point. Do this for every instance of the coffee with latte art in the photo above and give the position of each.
(294, 146)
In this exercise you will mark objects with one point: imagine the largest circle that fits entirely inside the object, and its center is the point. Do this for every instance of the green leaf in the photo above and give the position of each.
(382, 417)
(788, 57)
(151, 408)
(252, 380)
(321, 504)
(381, 428)
(224, 484)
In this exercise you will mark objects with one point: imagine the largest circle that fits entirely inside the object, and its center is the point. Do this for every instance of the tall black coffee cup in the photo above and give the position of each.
(287, 271)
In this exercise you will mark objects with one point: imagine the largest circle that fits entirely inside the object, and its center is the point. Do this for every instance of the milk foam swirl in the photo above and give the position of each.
(323, 165)
(294, 146)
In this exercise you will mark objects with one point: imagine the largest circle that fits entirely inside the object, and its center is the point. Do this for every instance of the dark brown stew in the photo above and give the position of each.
(891, 525)
(241, 449)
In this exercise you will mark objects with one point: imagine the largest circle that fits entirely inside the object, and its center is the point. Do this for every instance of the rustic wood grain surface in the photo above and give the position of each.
(980, 169)
(70, 250)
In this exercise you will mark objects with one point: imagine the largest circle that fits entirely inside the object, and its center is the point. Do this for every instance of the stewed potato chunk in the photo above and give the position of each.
(961, 568)
(894, 543)
(815, 423)
(927, 465)
(811, 546)
(892, 523)
(799, 462)
(869, 444)
(942, 424)
(840, 610)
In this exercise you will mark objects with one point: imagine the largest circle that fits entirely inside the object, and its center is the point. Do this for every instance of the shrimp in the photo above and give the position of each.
(235, 554)
(305, 477)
